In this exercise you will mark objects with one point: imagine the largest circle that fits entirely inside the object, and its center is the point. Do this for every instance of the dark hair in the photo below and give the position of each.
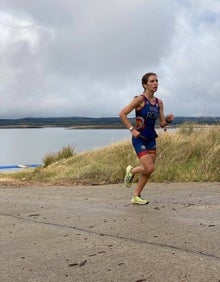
(146, 77)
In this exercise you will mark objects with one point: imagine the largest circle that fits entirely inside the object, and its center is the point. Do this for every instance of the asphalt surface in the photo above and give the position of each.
(93, 233)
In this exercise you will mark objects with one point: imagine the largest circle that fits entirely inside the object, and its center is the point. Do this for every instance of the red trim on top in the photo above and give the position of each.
(155, 103)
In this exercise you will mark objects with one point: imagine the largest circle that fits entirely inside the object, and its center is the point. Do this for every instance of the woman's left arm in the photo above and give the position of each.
(164, 120)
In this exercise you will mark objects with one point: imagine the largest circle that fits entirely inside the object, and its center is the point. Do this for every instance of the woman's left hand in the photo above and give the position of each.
(170, 118)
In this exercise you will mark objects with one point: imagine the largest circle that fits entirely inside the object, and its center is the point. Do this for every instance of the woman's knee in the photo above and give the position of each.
(149, 169)
(148, 163)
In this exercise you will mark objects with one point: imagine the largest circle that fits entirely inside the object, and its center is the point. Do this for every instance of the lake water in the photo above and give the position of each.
(29, 146)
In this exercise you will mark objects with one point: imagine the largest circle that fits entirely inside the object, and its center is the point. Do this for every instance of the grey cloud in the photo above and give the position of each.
(87, 57)
(125, 40)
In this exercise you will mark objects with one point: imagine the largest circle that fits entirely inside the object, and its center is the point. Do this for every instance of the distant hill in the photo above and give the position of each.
(86, 122)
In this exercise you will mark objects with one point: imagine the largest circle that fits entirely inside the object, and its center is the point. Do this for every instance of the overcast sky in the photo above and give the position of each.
(87, 57)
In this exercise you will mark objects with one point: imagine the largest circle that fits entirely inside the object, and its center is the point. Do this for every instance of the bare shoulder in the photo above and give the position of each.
(160, 102)
(138, 100)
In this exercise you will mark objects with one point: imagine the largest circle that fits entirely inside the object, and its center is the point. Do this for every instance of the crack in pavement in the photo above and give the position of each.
(200, 253)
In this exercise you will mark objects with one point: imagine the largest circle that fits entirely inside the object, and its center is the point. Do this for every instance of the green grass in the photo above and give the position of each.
(64, 153)
(190, 154)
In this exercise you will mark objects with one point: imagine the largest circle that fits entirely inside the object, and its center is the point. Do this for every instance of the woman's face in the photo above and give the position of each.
(152, 83)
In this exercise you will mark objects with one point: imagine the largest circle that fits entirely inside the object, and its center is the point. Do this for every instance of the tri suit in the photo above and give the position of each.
(145, 123)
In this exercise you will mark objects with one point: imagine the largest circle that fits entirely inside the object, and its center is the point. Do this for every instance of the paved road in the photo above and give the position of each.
(93, 233)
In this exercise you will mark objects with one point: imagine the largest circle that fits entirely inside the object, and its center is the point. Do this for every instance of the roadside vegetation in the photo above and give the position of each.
(64, 153)
(189, 154)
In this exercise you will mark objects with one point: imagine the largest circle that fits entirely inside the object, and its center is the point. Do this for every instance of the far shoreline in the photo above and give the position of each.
(62, 126)
(92, 126)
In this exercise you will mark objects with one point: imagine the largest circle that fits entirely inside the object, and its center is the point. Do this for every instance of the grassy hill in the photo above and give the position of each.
(189, 154)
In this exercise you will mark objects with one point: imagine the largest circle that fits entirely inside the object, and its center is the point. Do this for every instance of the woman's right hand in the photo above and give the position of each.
(135, 133)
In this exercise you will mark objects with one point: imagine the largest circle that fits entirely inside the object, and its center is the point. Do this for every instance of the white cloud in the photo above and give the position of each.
(194, 60)
(66, 58)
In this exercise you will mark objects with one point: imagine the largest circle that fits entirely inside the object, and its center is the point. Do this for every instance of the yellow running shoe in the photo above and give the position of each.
(138, 200)
(128, 177)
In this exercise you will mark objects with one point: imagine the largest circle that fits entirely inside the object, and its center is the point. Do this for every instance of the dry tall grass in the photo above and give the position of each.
(190, 154)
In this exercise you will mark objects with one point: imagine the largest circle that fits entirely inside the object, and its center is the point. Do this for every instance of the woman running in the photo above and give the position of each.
(148, 109)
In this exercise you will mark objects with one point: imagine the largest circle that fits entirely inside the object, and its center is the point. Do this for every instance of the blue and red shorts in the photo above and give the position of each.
(143, 147)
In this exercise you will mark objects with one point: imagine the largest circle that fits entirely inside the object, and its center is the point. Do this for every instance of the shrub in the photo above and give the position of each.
(64, 153)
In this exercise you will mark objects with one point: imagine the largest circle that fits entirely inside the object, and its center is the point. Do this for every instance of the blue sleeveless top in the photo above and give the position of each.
(146, 118)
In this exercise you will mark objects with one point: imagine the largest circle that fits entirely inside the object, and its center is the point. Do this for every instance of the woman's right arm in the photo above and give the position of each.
(127, 110)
